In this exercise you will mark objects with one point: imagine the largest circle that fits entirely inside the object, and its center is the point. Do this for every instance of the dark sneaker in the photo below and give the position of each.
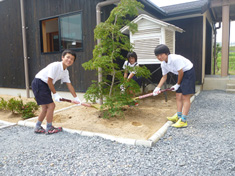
(53, 130)
(39, 130)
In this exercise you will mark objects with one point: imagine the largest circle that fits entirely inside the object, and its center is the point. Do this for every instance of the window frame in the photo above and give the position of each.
(59, 32)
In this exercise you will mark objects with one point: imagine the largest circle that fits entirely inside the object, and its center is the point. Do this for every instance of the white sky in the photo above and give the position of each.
(162, 3)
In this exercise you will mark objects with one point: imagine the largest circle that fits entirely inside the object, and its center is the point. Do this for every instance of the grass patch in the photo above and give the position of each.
(231, 62)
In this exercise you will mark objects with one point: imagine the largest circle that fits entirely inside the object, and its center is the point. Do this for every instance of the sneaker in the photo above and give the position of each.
(180, 124)
(174, 118)
(39, 130)
(136, 104)
(53, 130)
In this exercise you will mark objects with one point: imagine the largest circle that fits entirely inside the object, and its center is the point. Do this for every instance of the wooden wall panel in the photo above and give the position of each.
(11, 49)
(11, 52)
(37, 10)
(189, 43)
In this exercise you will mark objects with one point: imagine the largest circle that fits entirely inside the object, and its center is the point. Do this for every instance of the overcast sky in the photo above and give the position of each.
(162, 3)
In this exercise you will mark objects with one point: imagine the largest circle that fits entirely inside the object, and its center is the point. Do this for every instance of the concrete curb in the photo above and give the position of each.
(146, 143)
(161, 132)
(5, 124)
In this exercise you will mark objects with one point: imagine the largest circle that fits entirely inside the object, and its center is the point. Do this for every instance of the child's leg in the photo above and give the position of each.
(50, 112)
(179, 102)
(38, 128)
(43, 113)
(182, 122)
(186, 106)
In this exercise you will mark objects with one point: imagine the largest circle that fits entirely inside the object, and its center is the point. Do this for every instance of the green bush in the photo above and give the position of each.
(14, 105)
(28, 110)
(18, 107)
(3, 104)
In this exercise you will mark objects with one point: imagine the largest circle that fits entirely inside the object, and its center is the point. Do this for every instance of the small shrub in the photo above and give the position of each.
(14, 105)
(17, 106)
(28, 110)
(3, 104)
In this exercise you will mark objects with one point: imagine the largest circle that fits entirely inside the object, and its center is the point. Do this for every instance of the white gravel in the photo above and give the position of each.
(205, 147)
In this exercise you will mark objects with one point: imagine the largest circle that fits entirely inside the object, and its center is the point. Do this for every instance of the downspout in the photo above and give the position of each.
(24, 47)
(215, 47)
(98, 20)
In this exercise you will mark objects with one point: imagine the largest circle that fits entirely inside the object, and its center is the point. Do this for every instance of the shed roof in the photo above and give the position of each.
(125, 29)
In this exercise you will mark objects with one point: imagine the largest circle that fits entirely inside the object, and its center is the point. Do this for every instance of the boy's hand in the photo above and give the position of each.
(78, 100)
(57, 97)
(175, 87)
(156, 91)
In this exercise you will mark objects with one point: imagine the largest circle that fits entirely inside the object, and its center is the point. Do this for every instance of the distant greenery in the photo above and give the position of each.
(231, 61)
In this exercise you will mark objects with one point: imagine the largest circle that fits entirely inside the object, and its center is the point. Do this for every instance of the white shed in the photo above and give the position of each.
(151, 32)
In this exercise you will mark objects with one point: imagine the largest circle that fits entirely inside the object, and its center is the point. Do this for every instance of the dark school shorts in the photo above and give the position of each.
(138, 80)
(187, 85)
(41, 92)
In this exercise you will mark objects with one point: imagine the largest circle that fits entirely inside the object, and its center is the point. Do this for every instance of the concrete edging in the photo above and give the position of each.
(6, 124)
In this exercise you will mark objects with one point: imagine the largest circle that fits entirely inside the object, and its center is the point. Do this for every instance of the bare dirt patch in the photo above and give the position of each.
(138, 122)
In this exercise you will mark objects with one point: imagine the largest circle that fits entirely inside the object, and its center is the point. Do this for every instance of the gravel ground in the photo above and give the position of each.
(205, 147)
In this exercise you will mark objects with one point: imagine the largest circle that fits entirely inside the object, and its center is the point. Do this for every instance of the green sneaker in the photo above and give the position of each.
(180, 124)
(174, 118)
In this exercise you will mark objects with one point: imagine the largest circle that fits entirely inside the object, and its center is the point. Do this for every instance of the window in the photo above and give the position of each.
(63, 32)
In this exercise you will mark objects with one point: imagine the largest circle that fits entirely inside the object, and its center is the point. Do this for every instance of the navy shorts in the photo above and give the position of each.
(138, 80)
(41, 92)
(187, 85)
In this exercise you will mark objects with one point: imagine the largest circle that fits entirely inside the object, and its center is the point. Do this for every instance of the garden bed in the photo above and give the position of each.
(137, 123)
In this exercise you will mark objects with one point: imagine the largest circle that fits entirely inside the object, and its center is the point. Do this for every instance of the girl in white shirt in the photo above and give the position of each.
(131, 74)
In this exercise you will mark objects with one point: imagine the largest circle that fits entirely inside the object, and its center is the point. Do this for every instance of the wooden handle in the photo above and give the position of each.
(75, 102)
(67, 100)
(151, 94)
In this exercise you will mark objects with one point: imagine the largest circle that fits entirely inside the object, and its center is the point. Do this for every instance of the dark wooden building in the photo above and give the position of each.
(50, 27)
(54, 25)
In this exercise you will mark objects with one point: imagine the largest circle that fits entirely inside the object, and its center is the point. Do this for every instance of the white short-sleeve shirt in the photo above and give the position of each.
(126, 63)
(175, 63)
(54, 71)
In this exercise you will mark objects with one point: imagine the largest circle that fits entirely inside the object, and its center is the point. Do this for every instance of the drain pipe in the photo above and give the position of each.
(24, 47)
(98, 20)
(215, 47)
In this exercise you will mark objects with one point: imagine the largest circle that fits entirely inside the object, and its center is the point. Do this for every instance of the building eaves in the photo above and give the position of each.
(153, 9)
(199, 6)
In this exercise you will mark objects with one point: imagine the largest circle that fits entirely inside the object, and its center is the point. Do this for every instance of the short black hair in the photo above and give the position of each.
(160, 49)
(132, 54)
(68, 51)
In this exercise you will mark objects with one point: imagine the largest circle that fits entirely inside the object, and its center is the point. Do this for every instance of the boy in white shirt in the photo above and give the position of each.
(185, 86)
(43, 85)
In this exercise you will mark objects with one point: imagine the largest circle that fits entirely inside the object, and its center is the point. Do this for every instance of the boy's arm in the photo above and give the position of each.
(71, 89)
(180, 77)
(52, 88)
(51, 85)
(163, 79)
(156, 91)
